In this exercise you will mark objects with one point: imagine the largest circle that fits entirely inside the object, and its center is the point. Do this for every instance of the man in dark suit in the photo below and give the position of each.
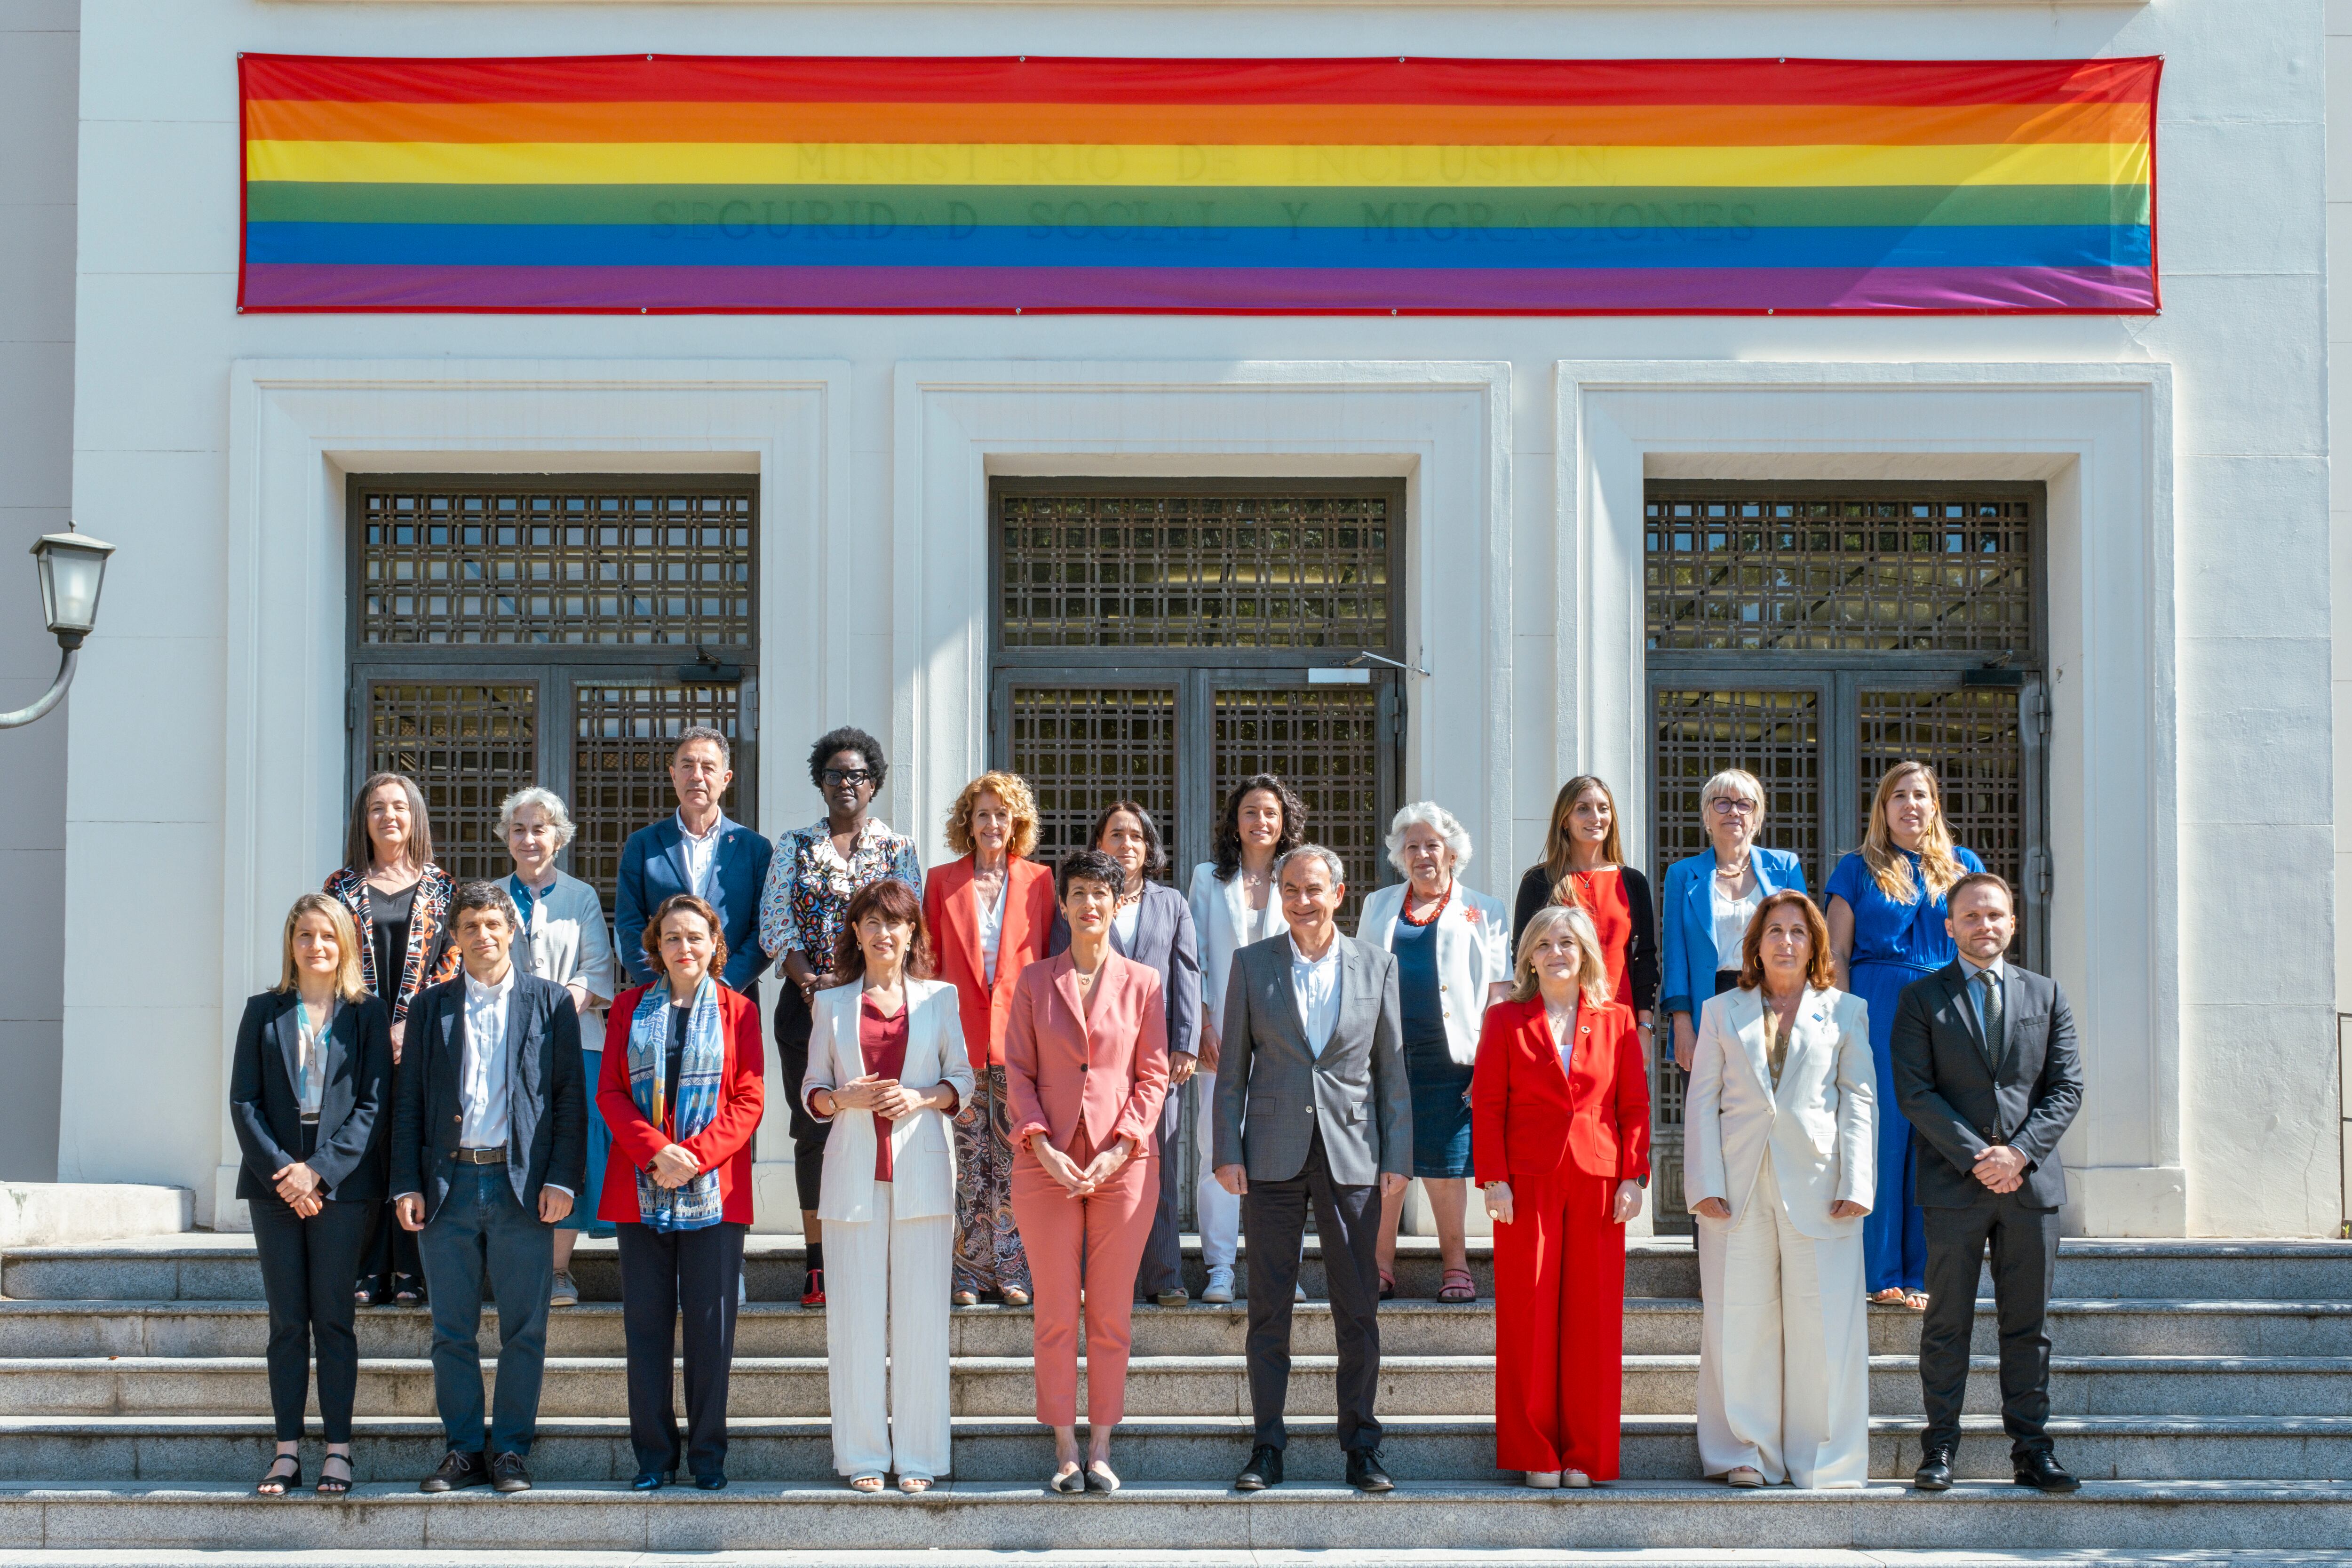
(1313, 1108)
(490, 1146)
(697, 849)
(1985, 1069)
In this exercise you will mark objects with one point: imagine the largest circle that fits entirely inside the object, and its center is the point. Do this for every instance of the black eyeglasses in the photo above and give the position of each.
(847, 776)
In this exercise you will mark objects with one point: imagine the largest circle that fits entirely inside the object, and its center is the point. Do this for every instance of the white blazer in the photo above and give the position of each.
(1821, 1128)
(1219, 912)
(922, 1154)
(569, 942)
(1474, 951)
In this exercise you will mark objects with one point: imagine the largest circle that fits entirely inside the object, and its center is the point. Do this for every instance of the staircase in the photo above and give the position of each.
(2203, 1389)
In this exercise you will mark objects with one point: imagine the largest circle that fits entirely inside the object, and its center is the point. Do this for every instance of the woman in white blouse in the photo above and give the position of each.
(1781, 1169)
(564, 939)
(1233, 905)
(1451, 947)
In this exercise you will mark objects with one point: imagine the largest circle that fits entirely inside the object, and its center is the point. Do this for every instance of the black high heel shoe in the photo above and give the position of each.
(407, 1291)
(329, 1484)
(278, 1483)
(369, 1292)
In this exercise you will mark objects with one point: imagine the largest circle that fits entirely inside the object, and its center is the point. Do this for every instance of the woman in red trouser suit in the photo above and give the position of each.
(1560, 1138)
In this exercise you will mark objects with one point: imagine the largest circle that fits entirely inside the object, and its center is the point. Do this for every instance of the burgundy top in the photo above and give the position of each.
(883, 1042)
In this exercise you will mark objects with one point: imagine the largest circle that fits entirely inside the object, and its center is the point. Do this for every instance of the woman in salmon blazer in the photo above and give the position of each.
(989, 915)
(1085, 1068)
(1560, 1139)
(682, 1087)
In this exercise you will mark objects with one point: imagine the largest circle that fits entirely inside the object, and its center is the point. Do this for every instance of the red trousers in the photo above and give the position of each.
(1094, 1243)
(1559, 1327)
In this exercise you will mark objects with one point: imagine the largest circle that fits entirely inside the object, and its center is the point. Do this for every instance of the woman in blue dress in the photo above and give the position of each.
(1886, 930)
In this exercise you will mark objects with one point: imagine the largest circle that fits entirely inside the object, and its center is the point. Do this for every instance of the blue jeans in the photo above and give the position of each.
(481, 1226)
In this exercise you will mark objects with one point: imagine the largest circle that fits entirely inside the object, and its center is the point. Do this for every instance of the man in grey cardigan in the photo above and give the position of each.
(1313, 1108)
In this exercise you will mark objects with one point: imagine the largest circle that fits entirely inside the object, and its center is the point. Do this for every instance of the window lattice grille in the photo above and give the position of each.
(1970, 738)
(1731, 570)
(538, 565)
(1081, 749)
(1323, 741)
(623, 733)
(467, 747)
(1194, 571)
(1776, 735)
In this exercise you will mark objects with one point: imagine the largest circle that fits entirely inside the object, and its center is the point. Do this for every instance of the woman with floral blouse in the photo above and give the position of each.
(816, 872)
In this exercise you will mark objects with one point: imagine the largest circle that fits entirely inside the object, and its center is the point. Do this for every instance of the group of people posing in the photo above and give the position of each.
(983, 1067)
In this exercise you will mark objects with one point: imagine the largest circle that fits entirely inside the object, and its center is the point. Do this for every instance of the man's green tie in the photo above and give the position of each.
(1988, 1011)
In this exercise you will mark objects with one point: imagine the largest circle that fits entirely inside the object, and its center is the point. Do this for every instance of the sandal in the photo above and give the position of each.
(1388, 1286)
(1916, 1299)
(276, 1482)
(1893, 1296)
(964, 1299)
(866, 1483)
(407, 1291)
(1456, 1285)
(1014, 1296)
(332, 1485)
(914, 1486)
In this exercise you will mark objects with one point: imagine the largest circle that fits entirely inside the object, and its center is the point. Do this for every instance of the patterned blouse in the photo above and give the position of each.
(427, 916)
(810, 886)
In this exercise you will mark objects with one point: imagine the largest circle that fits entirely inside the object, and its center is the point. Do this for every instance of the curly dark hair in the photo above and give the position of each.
(1227, 851)
(1155, 848)
(847, 739)
(897, 903)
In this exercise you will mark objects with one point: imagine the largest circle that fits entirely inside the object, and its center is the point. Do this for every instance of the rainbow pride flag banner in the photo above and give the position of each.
(1276, 186)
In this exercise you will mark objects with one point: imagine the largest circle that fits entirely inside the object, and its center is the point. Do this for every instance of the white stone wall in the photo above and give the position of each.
(38, 82)
(2186, 453)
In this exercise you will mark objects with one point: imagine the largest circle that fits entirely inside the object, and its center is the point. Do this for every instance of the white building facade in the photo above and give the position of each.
(2141, 699)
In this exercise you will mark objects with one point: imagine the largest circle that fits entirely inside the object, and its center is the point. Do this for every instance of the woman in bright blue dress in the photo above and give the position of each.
(1886, 930)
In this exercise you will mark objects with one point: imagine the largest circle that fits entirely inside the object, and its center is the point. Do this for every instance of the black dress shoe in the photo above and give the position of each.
(1263, 1469)
(716, 1481)
(652, 1480)
(1935, 1473)
(2042, 1472)
(1364, 1472)
(507, 1474)
(458, 1472)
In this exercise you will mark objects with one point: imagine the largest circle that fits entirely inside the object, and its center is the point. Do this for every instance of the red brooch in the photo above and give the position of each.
(1470, 913)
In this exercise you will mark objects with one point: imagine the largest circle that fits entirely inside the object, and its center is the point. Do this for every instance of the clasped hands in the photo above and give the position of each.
(884, 1097)
(1087, 1183)
(2001, 1168)
(298, 1185)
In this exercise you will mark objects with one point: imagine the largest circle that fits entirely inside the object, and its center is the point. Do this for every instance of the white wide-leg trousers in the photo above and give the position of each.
(1220, 1211)
(886, 1335)
(1784, 1350)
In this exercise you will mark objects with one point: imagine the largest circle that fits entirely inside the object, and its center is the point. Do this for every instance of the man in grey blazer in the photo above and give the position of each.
(1985, 1069)
(1313, 1108)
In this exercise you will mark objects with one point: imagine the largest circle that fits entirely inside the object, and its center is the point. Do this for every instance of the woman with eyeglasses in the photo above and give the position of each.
(1711, 896)
(1583, 868)
(813, 875)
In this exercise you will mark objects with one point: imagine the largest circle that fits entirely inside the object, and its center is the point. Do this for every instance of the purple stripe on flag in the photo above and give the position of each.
(334, 286)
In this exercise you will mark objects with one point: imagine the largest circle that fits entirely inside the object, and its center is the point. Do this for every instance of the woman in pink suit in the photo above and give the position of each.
(1085, 1073)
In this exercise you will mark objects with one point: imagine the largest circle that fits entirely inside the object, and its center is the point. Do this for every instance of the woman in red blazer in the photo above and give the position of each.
(989, 915)
(682, 1088)
(1086, 1065)
(1560, 1138)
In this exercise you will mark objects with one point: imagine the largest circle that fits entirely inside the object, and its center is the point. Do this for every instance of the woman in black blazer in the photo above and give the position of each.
(310, 1094)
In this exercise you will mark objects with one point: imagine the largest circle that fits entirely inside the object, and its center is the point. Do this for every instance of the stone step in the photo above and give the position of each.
(208, 1266)
(1165, 1557)
(1180, 1386)
(1651, 1327)
(1020, 1516)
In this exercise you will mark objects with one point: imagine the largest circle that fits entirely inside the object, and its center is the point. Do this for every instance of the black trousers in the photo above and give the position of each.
(307, 1268)
(794, 1023)
(2024, 1243)
(687, 1274)
(1348, 1223)
(1163, 1250)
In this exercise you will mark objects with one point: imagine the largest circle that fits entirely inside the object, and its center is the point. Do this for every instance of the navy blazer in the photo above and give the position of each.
(1166, 943)
(1686, 914)
(1959, 1104)
(354, 1106)
(653, 868)
(547, 1093)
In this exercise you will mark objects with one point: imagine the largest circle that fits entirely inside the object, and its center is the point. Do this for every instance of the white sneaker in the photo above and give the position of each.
(1544, 1481)
(1298, 1292)
(742, 1292)
(1221, 1285)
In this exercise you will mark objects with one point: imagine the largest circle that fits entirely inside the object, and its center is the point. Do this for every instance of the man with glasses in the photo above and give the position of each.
(814, 874)
(697, 849)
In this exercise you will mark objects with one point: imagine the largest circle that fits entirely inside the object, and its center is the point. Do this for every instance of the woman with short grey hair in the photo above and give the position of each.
(1452, 960)
(562, 936)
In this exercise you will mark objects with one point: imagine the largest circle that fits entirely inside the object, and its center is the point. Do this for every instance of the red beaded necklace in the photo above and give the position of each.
(1444, 898)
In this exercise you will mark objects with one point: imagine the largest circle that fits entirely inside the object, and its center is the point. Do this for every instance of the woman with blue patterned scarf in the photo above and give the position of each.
(682, 1088)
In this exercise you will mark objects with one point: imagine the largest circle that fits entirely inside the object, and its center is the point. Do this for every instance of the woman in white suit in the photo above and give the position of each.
(1233, 905)
(1453, 951)
(887, 1067)
(1781, 1130)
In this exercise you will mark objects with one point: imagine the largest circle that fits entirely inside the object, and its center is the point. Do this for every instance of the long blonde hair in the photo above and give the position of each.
(348, 984)
(1890, 867)
(1557, 863)
(1593, 967)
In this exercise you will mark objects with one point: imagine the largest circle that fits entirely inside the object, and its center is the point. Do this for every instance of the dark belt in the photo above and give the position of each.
(482, 1156)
